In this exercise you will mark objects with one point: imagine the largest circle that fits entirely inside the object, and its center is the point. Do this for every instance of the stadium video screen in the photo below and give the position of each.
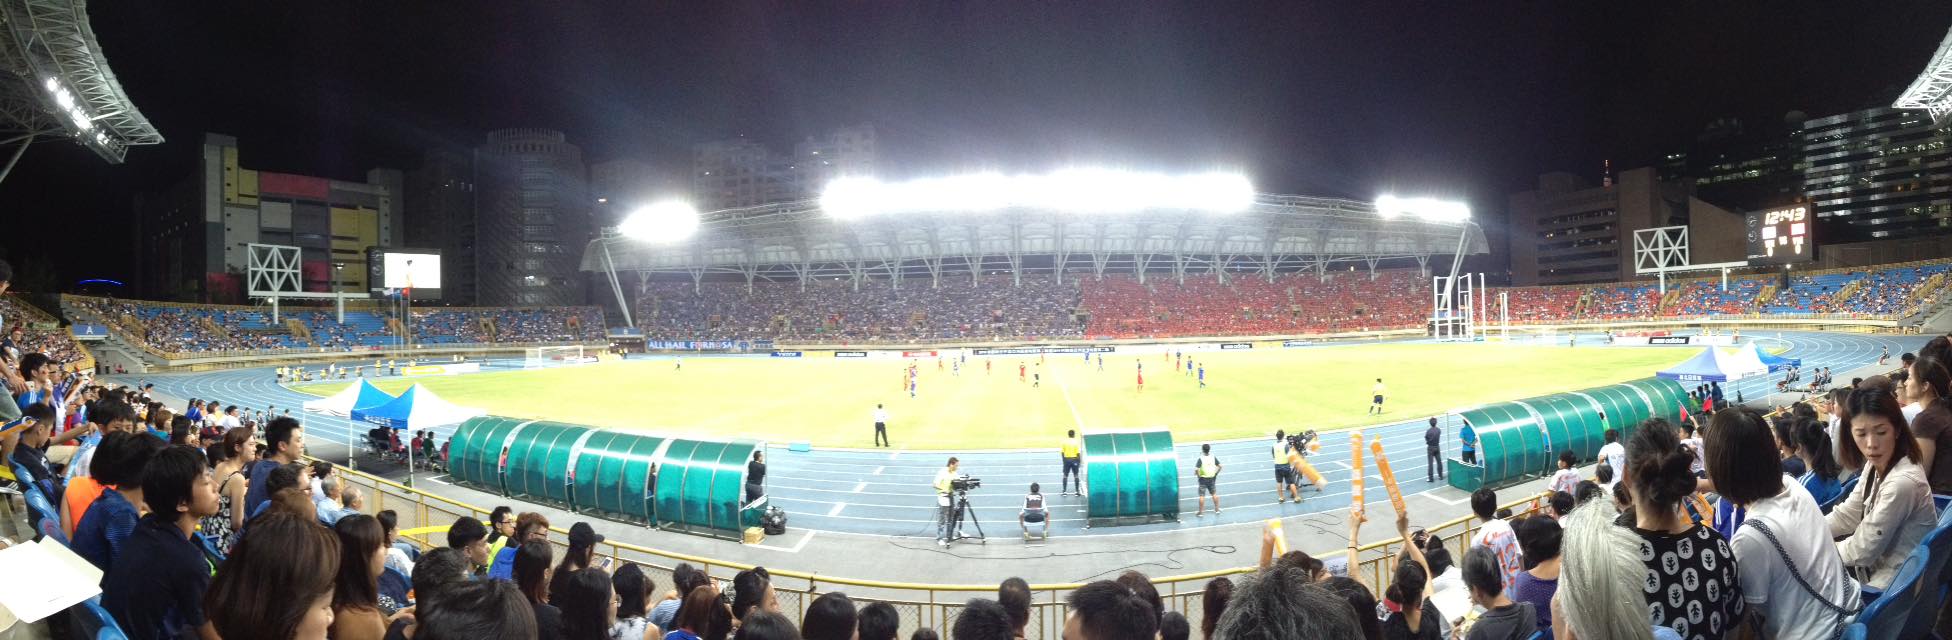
(394, 270)
(1781, 235)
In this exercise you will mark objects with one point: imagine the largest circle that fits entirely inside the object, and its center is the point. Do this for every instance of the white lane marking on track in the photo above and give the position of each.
(1432, 495)
(802, 544)
(877, 470)
(859, 487)
(837, 507)
(895, 454)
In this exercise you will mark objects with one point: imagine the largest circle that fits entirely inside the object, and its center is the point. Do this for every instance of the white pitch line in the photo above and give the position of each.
(837, 507)
(1065, 391)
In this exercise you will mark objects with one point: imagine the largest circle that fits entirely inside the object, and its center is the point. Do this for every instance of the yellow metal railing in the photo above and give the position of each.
(425, 517)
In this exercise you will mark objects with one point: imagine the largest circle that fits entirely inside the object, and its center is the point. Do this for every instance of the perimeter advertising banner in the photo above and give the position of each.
(1023, 351)
(850, 354)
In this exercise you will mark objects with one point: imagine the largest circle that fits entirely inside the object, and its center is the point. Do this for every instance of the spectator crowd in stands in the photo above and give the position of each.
(172, 328)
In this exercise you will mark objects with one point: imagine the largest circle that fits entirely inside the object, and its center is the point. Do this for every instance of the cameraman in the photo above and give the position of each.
(1033, 512)
(945, 505)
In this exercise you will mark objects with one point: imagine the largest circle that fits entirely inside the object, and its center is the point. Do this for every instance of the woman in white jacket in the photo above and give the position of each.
(1891, 509)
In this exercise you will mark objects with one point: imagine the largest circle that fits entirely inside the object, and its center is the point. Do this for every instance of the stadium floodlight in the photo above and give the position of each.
(1082, 191)
(667, 221)
(1426, 209)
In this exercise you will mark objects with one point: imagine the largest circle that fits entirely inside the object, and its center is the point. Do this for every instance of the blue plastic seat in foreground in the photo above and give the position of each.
(1887, 616)
(1937, 548)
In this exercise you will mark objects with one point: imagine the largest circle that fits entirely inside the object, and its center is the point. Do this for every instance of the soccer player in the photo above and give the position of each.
(1189, 366)
(1376, 402)
(880, 426)
(1069, 451)
(1037, 377)
(1203, 386)
(1141, 377)
(955, 369)
(681, 364)
(1176, 359)
(911, 386)
(986, 366)
(1020, 370)
(1101, 362)
(938, 363)
(1207, 468)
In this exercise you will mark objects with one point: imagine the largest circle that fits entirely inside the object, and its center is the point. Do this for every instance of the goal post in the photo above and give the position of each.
(550, 356)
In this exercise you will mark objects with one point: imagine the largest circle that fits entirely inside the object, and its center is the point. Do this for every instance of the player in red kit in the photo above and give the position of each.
(1019, 372)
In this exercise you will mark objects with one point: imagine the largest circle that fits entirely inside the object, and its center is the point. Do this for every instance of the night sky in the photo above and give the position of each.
(1352, 99)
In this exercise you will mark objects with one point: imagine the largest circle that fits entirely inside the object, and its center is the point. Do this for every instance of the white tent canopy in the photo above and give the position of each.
(358, 396)
(416, 409)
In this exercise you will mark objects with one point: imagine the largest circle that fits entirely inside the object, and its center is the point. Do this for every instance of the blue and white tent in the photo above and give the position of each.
(416, 409)
(1774, 362)
(359, 396)
(1711, 365)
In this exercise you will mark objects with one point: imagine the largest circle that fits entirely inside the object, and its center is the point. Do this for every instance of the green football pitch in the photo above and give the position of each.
(830, 402)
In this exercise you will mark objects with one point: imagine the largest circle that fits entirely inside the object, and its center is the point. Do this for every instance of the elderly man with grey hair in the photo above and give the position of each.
(335, 501)
(1283, 602)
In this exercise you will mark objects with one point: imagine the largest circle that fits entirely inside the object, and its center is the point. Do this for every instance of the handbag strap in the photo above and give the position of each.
(1770, 535)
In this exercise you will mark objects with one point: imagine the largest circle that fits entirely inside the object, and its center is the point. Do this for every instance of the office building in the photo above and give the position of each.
(1571, 231)
(192, 238)
(533, 217)
(743, 173)
(1877, 174)
(442, 191)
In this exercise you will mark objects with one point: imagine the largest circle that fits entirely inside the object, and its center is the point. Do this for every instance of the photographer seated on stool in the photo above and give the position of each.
(1033, 512)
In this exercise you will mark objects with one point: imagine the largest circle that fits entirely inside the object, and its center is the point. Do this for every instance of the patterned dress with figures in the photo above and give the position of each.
(1691, 585)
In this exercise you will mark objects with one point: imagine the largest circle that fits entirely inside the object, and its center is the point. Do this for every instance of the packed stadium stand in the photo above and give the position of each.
(878, 312)
(184, 328)
(23, 331)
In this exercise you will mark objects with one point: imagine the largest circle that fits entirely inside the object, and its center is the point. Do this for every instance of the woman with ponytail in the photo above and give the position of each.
(1690, 583)
(1824, 479)
(1890, 510)
(1929, 384)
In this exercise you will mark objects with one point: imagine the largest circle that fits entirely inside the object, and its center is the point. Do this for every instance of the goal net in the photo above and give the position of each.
(554, 356)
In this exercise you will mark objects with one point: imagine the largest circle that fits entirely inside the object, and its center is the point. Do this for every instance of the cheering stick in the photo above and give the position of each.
(1389, 477)
(1355, 486)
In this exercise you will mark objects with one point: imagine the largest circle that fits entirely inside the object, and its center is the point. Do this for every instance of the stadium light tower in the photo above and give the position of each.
(55, 83)
(661, 222)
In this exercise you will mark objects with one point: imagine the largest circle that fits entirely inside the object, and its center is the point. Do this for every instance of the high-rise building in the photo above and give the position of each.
(1742, 165)
(1877, 174)
(1570, 231)
(532, 219)
(742, 173)
(192, 238)
(619, 185)
(442, 191)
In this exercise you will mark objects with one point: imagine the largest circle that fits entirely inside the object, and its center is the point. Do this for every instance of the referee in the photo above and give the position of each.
(1070, 454)
(880, 426)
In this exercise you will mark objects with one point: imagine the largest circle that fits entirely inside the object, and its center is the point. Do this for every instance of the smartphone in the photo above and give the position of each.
(604, 562)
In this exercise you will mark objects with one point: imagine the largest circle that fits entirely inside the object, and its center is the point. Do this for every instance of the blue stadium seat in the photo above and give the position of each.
(1843, 492)
(1939, 501)
(1856, 631)
(39, 503)
(92, 621)
(51, 530)
(1887, 616)
(1932, 588)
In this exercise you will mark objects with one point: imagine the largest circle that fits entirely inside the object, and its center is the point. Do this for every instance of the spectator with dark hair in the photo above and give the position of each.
(924, 633)
(278, 582)
(1142, 585)
(501, 525)
(830, 617)
(119, 466)
(356, 607)
(1502, 618)
(1276, 604)
(532, 579)
(30, 455)
(395, 548)
(580, 554)
(1588, 490)
(1173, 626)
(284, 444)
(684, 578)
(634, 591)
(1782, 522)
(476, 610)
(1014, 595)
(753, 588)
(1824, 478)
(878, 621)
(155, 589)
(1677, 550)
(433, 573)
(588, 603)
(1496, 534)
(1891, 508)
(766, 625)
(981, 619)
(1361, 600)
(529, 527)
(1783, 430)
(1561, 503)
(695, 614)
(1930, 386)
(468, 536)
(1107, 610)
(1539, 537)
(1213, 603)
(235, 454)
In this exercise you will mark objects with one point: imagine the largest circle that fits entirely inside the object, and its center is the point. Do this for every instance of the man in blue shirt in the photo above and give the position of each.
(284, 444)
(118, 465)
(1470, 438)
(156, 589)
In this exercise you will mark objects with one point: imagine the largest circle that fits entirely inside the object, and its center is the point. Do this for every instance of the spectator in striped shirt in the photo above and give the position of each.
(1496, 535)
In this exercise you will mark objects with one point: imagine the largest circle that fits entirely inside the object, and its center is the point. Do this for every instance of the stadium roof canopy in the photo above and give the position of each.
(797, 240)
(54, 82)
(1932, 91)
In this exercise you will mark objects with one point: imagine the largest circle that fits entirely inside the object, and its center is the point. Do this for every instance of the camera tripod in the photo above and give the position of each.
(962, 510)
